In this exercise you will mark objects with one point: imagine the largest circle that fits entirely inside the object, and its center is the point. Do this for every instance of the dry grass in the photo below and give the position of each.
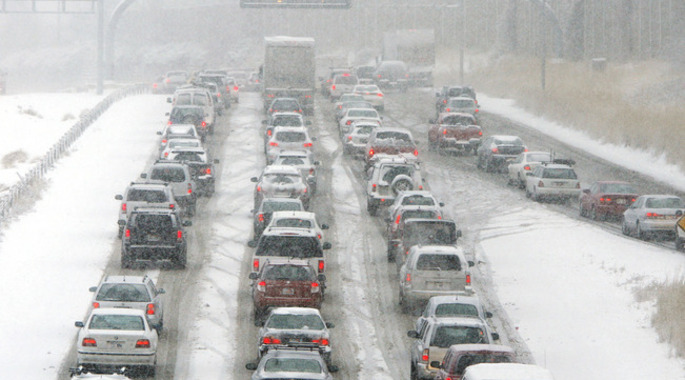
(668, 319)
(11, 159)
(638, 105)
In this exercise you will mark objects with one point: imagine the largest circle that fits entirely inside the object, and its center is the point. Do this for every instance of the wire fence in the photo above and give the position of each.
(17, 191)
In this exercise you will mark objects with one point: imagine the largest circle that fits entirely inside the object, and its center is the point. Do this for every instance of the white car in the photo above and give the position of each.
(552, 181)
(233, 89)
(173, 131)
(354, 143)
(525, 163)
(653, 214)
(356, 114)
(115, 338)
(175, 143)
(371, 94)
(297, 219)
(302, 160)
(342, 84)
(414, 198)
(287, 138)
(349, 97)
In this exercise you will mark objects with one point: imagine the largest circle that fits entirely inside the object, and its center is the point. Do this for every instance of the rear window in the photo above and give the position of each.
(292, 365)
(539, 157)
(288, 273)
(287, 121)
(423, 214)
(462, 103)
(123, 293)
(286, 106)
(291, 136)
(437, 262)
(390, 172)
(509, 142)
(281, 206)
(559, 174)
(295, 322)
(455, 309)
(282, 178)
(291, 161)
(363, 113)
(153, 223)
(293, 222)
(471, 359)
(418, 200)
(168, 174)
(430, 233)
(289, 246)
(189, 156)
(664, 203)
(140, 195)
(445, 336)
(183, 99)
(346, 79)
(617, 188)
(116, 322)
(393, 136)
(455, 119)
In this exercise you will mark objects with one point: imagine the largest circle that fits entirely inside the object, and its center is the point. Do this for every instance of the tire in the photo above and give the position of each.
(535, 196)
(258, 314)
(181, 261)
(404, 307)
(528, 194)
(372, 208)
(121, 232)
(581, 210)
(159, 327)
(488, 166)
(381, 108)
(391, 253)
(479, 163)
(593, 213)
(522, 183)
(126, 261)
(401, 183)
(150, 371)
(642, 235)
(413, 374)
(624, 228)
(190, 210)
(679, 243)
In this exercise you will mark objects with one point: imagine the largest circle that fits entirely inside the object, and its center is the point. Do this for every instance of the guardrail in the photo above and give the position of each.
(19, 189)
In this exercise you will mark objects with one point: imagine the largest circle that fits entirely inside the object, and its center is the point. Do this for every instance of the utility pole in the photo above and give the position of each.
(543, 63)
(101, 47)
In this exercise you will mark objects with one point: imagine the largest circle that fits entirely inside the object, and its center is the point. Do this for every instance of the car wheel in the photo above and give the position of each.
(150, 371)
(159, 327)
(489, 167)
(391, 253)
(522, 183)
(679, 243)
(121, 232)
(126, 261)
(593, 213)
(190, 210)
(181, 261)
(624, 228)
(535, 195)
(404, 307)
(372, 208)
(581, 210)
(642, 235)
(258, 314)
(414, 374)
(528, 194)
(381, 108)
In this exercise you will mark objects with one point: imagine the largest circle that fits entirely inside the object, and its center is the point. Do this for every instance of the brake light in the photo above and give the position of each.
(307, 96)
(348, 122)
(379, 75)
(169, 122)
(270, 95)
(321, 266)
(340, 107)
(541, 184)
(218, 94)
(127, 233)
(255, 265)
(399, 217)
(349, 137)
(495, 150)
(261, 286)
(333, 87)
(322, 341)
(89, 342)
(311, 171)
(270, 340)
(307, 145)
(166, 154)
(154, 85)
(164, 140)
(379, 95)
(315, 287)
(373, 188)
(190, 188)
(476, 111)
(425, 355)
(96, 305)
(143, 343)
(171, 206)
(480, 133)
(299, 111)
(527, 167)
(123, 207)
(420, 187)
(260, 217)
(632, 200)
(652, 215)
(444, 101)
(273, 143)
(447, 109)
(179, 234)
(150, 310)
(168, 80)
(228, 88)
(208, 170)
(271, 110)
(408, 278)
(525, 149)
(204, 124)
(416, 152)
(468, 279)
(269, 132)
(371, 152)
(259, 188)
(444, 131)
(236, 88)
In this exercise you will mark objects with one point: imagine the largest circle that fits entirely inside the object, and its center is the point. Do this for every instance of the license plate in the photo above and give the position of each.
(288, 291)
(115, 344)
(153, 238)
(295, 340)
(558, 183)
(436, 284)
(620, 201)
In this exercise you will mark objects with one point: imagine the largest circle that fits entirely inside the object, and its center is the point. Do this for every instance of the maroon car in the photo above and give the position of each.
(286, 282)
(454, 131)
(607, 199)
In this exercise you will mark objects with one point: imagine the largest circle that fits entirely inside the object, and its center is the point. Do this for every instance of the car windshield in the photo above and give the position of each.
(180, 130)
(123, 293)
(539, 157)
(455, 309)
(287, 121)
(183, 112)
(390, 172)
(457, 119)
(363, 113)
(395, 136)
(141, 195)
(295, 322)
(153, 224)
(281, 206)
(664, 203)
(116, 322)
(292, 365)
(418, 200)
(291, 136)
(471, 359)
(438, 262)
(445, 336)
(425, 214)
(617, 188)
(168, 174)
(559, 173)
(288, 273)
(289, 246)
(294, 222)
(425, 232)
(282, 178)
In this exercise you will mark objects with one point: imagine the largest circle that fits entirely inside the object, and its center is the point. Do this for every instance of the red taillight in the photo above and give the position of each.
(255, 266)
(260, 217)
(154, 85)
(259, 188)
(123, 207)
(299, 111)
(143, 343)
(525, 149)
(476, 111)
(322, 341)
(236, 88)
(261, 286)
(270, 340)
(321, 266)
(228, 88)
(632, 200)
(480, 133)
(315, 287)
(348, 122)
(204, 124)
(652, 215)
(444, 131)
(349, 137)
(379, 75)
(179, 234)
(526, 168)
(171, 206)
(89, 342)
(307, 145)
(447, 109)
(168, 80)
(399, 217)
(96, 305)
(190, 188)
(379, 95)
(333, 87)
(444, 101)
(468, 279)
(169, 122)
(373, 188)
(273, 143)
(416, 152)
(269, 132)
(425, 355)
(208, 170)
(164, 141)
(408, 278)
(166, 154)
(495, 150)
(307, 96)
(218, 94)
(150, 310)
(127, 233)
(340, 107)
(371, 152)
(311, 171)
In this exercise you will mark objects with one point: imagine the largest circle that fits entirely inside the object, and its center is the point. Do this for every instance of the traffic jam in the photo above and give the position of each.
(453, 335)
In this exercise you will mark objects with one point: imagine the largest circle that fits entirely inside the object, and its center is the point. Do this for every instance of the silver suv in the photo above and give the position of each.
(143, 194)
(177, 174)
(131, 292)
(437, 335)
(387, 178)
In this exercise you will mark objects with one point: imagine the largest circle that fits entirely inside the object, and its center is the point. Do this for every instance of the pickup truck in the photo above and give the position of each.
(389, 141)
(454, 132)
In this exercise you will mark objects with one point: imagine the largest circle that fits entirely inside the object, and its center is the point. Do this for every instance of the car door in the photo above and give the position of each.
(630, 215)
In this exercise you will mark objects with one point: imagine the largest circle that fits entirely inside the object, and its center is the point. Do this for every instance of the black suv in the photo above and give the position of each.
(392, 74)
(154, 234)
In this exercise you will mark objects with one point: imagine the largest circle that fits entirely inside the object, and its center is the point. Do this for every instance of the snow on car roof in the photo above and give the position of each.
(296, 311)
(118, 311)
(509, 371)
(285, 169)
(293, 214)
(284, 128)
(440, 249)
(482, 347)
(506, 137)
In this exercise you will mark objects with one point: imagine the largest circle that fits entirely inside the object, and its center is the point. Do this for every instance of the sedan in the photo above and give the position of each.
(296, 327)
(606, 199)
(287, 138)
(262, 215)
(652, 214)
(281, 181)
(304, 161)
(371, 94)
(290, 364)
(552, 181)
(355, 114)
(113, 338)
(525, 163)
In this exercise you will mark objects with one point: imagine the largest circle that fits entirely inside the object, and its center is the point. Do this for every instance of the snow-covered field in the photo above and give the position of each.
(568, 285)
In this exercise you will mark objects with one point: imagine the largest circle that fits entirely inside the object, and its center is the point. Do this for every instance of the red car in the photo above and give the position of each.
(286, 282)
(607, 199)
(454, 131)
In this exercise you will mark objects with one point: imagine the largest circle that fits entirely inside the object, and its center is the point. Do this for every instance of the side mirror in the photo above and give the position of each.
(431, 121)
(307, 122)
(586, 191)
(333, 368)
(495, 336)
(327, 245)
(254, 179)
(92, 289)
(168, 100)
(264, 122)
(121, 222)
(436, 364)
(330, 325)
(529, 174)
(458, 233)
(387, 220)
(259, 322)
(187, 223)
(161, 291)
(78, 324)
(317, 163)
(216, 160)
(413, 334)
(252, 243)
(471, 263)
(251, 366)
(167, 114)
(437, 94)
(253, 276)
(679, 213)
(313, 138)
(324, 226)
(321, 278)
(442, 204)
(143, 175)
(119, 197)
(488, 314)
(159, 133)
